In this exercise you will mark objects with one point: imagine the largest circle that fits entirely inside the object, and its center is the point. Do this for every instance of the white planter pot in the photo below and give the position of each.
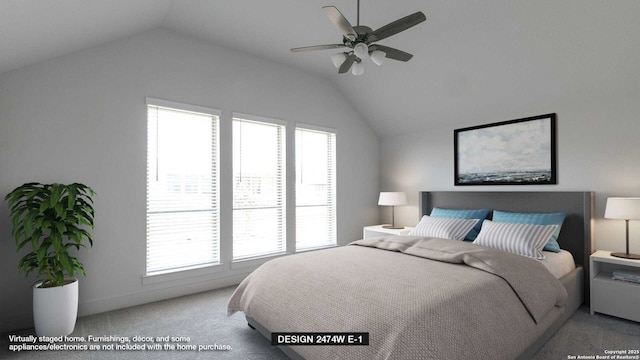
(55, 309)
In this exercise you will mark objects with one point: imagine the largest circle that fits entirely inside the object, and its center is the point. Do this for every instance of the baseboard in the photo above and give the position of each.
(153, 295)
(18, 321)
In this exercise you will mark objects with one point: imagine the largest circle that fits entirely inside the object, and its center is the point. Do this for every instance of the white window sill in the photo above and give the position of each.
(254, 261)
(189, 273)
(321, 247)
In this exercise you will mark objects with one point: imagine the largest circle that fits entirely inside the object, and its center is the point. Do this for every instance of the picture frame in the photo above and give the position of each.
(513, 152)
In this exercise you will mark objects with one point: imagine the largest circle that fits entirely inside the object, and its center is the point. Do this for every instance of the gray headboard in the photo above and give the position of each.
(575, 236)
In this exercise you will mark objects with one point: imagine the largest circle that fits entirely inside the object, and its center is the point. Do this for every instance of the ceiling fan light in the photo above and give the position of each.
(357, 69)
(361, 50)
(338, 59)
(378, 57)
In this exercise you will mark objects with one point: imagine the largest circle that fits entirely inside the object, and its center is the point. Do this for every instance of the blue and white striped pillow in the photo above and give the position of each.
(446, 228)
(536, 219)
(479, 214)
(521, 239)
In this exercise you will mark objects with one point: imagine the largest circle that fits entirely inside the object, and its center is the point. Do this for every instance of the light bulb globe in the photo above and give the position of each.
(338, 59)
(361, 50)
(378, 57)
(357, 69)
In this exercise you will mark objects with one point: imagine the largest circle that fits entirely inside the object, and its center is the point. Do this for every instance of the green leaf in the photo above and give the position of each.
(55, 194)
(27, 263)
(41, 253)
(43, 207)
(76, 246)
(85, 218)
(78, 266)
(46, 224)
(35, 236)
(35, 239)
(35, 244)
(32, 194)
(61, 228)
(19, 207)
(56, 240)
(18, 233)
(58, 248)
(28, 225)
(85, 234)
(67, 264)
(59, 278)
(38, 222)
(60, 211)
(71, 199)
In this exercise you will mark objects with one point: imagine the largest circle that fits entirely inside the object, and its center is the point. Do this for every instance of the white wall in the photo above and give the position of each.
(598, 150)
(82, 118)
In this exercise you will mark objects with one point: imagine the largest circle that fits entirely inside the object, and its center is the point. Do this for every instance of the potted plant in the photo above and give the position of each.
(51, 219)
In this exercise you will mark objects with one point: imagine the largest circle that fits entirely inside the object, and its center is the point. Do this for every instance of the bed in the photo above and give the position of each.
(421, 298)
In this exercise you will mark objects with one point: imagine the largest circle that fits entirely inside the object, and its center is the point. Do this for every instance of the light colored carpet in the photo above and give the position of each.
(590, 335)
(202, 318)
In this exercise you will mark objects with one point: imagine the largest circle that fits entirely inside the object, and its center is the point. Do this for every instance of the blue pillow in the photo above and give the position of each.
(535, 219)
(463, 214)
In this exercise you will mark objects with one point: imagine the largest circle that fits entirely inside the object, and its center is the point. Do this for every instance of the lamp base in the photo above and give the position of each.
(392, 227)
(626, 256)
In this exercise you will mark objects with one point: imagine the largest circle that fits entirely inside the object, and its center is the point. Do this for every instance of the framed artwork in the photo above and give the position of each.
(514, 152)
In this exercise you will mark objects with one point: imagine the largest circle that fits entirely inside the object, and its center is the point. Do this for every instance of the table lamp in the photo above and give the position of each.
(392, 199)
(623, 208)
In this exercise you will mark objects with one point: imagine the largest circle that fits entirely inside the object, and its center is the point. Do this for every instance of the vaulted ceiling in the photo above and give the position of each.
(473, 60)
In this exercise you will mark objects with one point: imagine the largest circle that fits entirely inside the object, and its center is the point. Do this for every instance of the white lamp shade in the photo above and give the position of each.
(378, 57)
(624, 208)
(357, 69)
(338, 59)
(361, 50)
(392, 198)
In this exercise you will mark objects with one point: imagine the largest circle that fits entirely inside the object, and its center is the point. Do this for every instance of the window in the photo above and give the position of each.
(315, 188)
(182, 187)
(259, 211)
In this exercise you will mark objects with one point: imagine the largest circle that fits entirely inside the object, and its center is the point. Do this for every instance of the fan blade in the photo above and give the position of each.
(346, 65)
(318, 47)
(392, 53)
(340, 22)
(396, 27)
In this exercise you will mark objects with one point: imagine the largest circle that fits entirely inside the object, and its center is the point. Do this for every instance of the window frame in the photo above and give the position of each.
(202, 268)
(284, 166)
(334, 202)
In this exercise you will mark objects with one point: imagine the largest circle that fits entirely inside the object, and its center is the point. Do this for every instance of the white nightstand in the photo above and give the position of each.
(613, 297)
(378, 230)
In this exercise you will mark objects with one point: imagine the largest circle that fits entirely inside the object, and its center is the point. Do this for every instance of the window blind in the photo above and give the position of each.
(182, 187)
(259, 183)
(315, 188)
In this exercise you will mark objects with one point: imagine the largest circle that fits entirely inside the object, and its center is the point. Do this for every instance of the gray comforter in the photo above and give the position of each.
(419, 298)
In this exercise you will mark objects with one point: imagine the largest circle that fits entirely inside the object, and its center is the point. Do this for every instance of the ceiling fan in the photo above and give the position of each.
(360, 41)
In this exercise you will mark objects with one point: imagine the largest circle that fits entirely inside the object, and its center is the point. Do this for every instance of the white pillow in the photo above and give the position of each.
(521, 239)
(446, 228)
